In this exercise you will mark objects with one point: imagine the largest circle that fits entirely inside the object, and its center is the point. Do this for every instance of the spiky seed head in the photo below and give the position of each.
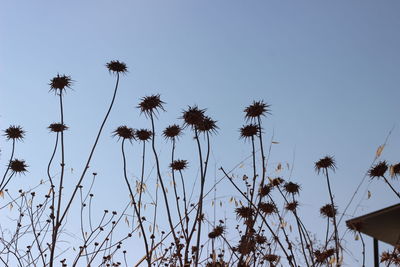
(265, 190)
(116, 66)
(18, 166)
(179, 165)
(276, 181)
(207, 125)
(143, 134)
(267, 207)
(391, 257)
(219, 230)
(244, 212)
(124, 132)
(211, 235)
(292, 206)
(271, 258)
(14, 132)
(292, 188)
(378, 170)
(257, 109)
(57, 127)
(247, 245)
(328, 211)
(249, 131)
(260, 239)
(325, 163)
(172, 131)
(395, 170)
(150, 104)
(216, 232)
(59, 83)
(193, 116)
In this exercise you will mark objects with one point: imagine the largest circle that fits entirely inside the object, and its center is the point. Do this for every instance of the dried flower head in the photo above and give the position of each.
(207, 125)
(179, 165)
(150, 104)
(59, 83)
(18, 166)
(244, 212)
(325, 163)
(395, 170)
(323, 256)
(257, 109)
(276, 181)
(249, 131)
(264, 190)
(378, 170)
(355, 226)
(267, 207)
(328, 211)
(216, 232)
(124, 132)
(172, 131)
(57, 127)
(246, 245)
(271, 258)
(14, 132)
(392, 257)
(116, 66)
(292, 188)
(193, 116)
(143, 134)
(292, 206)
(260, 239)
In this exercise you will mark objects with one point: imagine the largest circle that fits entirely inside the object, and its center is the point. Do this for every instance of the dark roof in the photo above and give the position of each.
(383, 224)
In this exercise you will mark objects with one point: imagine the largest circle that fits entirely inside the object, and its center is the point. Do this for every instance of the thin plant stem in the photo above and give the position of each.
(57, 219)
(175, 191)
(91, 152)
(363, 249)
(391, 187)
(8, 166)
(176, 240)
(141, 186)
(334, 218)
(135, 206)
(203, 171)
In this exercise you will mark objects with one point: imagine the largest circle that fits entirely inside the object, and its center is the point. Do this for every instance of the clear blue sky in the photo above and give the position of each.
(329, 69)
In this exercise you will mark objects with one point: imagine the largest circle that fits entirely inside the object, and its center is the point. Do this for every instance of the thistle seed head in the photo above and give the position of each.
(257, 109)
(143, 134)
(172, 131)
(150, 104)
(116, 66)
(326, 163)
(18, 166)
(14, 132)
(57, 127)
(378, 170)
(59, 83)
(124, 132)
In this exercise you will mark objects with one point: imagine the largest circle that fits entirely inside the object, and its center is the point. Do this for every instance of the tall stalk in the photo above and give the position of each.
(57, 224)
(176, 239)
(337, 245)
(203, 172)
(135, 205)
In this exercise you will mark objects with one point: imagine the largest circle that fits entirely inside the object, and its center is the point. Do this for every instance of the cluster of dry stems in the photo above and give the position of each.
(263, 235)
